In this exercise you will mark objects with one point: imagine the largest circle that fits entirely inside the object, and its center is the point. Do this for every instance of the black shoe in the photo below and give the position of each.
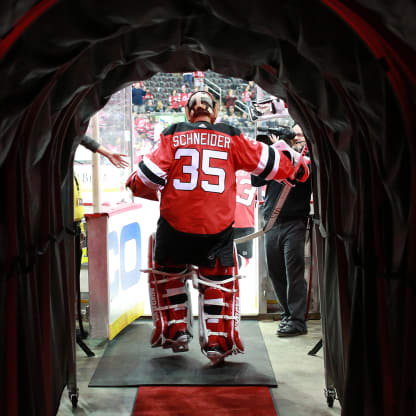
(284, 322)
(291, 331)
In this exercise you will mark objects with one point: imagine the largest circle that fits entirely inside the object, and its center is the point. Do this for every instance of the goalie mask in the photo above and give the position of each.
(201, 103)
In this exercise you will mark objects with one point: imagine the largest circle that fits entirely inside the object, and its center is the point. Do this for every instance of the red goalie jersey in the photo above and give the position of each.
(194, 168)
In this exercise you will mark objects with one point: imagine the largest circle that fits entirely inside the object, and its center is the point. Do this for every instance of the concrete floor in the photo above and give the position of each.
(300, 378)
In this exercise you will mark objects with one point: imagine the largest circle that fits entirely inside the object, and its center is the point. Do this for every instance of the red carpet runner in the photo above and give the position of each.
(203, 401)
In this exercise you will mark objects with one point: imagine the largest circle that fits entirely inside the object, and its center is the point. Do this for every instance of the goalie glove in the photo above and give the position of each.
(302, 172)
(139, 189)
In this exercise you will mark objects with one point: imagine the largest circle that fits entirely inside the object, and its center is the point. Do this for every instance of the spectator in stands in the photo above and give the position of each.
(222, 117)
(244, 122)
(150, 106)
(248, 94)
(199, 79)
(230, 100)
(137, 98)
(232, 118)
(174, 99)
(252, 86)
(150, 128)
(252, 89)
(148, 96)
(184, 96)
(160, 108)
(188, 79)
(141, 139)
(139, 128)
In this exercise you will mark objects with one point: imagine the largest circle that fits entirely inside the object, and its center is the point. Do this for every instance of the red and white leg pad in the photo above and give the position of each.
(219, 312)
(170, 303)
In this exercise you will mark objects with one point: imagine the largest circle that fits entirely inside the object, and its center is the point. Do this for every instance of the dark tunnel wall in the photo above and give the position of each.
(347, 77)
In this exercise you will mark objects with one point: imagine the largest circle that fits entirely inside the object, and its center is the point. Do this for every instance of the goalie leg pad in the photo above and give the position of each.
(219, 312)
(179, 313)
(170, 303)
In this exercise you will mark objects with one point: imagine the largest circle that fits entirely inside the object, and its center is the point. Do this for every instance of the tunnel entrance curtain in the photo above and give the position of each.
(347, 77)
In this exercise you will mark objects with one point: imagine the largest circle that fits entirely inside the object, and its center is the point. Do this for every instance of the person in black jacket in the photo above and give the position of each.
(285, 245)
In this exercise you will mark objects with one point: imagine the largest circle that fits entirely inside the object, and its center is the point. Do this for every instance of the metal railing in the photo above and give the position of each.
(216, 89)
(240, 105)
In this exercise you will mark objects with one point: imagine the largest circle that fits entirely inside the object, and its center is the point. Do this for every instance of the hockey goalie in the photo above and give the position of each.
(192, 171)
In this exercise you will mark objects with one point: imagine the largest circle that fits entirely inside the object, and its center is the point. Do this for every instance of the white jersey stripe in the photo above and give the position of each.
(276, 164)
(150, 184)
(154, 168)
(263, 160)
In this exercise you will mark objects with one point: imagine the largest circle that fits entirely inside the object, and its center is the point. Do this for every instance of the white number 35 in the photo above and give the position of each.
(206, 168)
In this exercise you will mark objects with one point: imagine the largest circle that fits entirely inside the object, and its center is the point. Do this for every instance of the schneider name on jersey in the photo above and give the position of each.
(194, 167)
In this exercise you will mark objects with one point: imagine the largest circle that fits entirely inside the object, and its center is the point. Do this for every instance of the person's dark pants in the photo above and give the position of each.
(78, 259)
(187, 79)
(78, 249)
(285, 251)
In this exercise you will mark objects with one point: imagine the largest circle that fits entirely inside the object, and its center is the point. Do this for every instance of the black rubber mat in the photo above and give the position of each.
(129, 360)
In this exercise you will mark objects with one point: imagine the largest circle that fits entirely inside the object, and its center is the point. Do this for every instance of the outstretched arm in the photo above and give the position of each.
(114, 157)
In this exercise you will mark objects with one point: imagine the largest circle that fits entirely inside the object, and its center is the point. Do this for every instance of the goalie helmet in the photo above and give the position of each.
(201, 103)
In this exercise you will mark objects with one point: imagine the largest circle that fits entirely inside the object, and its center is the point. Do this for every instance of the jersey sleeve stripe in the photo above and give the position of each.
(275, 166)
(155, 169)
(149, 178)
(269, 165)
(263, 160)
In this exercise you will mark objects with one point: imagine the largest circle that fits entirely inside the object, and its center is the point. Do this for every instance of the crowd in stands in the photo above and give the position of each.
(160, 101)
(169, 93)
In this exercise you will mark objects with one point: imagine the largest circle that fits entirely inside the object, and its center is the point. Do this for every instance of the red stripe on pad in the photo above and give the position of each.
(203, 401)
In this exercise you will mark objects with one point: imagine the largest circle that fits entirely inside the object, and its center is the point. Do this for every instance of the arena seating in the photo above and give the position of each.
(161, 85)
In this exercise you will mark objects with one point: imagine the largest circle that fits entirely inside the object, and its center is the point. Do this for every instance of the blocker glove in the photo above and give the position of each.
(139, 189)
(302, 171)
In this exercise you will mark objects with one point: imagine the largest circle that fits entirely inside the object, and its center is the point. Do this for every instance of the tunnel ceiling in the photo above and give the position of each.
(67, 49)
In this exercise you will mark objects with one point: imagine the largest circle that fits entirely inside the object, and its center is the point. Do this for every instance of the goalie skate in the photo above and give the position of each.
(179, 343)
